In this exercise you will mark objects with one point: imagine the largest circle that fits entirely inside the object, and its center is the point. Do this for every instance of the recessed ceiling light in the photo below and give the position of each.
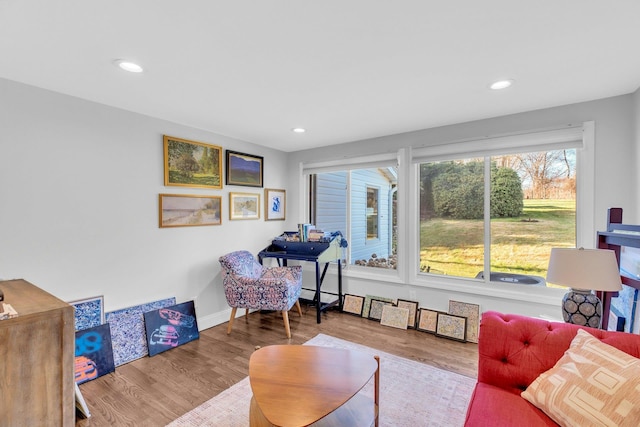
(501, 84)
(299, 130)
(129, 66)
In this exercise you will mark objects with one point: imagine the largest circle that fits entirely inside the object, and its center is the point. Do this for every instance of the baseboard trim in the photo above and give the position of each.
(211, 320)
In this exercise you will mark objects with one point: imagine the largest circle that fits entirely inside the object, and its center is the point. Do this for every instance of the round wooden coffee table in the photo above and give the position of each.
(301, 385)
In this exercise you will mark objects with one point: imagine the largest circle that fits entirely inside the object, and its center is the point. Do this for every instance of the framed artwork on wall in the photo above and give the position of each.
(192, 164)
(244, 169)
(185, 210)
(274, 204)
(244, 206)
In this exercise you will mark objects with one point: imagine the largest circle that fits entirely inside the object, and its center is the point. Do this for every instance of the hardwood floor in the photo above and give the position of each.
(154, 391)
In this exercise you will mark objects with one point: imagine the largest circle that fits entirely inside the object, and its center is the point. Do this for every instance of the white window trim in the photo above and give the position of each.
(407, 272)
(585, 221)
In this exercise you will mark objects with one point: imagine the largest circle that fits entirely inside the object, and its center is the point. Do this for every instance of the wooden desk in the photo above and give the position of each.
(299, 385)
(36, 359)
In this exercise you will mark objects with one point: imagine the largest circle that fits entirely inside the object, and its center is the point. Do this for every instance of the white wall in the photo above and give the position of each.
(616, 185)
(79, 185)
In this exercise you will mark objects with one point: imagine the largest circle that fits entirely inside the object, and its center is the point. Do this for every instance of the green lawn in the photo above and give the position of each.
(519, 245)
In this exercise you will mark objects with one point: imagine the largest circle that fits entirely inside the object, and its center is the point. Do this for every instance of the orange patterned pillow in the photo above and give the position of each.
(593, 384)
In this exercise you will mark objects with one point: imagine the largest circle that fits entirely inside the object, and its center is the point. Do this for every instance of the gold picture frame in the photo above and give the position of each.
(275, 204)
(191, 163)
(244, 206)
(187, 210)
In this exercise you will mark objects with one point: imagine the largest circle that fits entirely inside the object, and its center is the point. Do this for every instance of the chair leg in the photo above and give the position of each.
(285, 316)
(298, 307)
(233, 316)
(246, 315)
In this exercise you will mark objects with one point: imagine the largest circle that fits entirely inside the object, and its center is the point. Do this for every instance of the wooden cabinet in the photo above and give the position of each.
(36, 358)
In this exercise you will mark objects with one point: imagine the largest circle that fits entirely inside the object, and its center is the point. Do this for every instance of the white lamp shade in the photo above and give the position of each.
(588, 269)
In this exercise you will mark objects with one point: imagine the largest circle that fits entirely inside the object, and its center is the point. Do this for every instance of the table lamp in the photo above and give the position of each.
(583, 270)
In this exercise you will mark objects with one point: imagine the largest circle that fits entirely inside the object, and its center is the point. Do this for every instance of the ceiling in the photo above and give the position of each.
(345, 70)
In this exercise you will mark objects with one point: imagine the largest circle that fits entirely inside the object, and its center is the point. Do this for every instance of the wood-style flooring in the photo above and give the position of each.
(154, 391)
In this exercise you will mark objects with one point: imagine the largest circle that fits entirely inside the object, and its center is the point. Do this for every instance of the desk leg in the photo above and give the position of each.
(318, 301)
(340, 284)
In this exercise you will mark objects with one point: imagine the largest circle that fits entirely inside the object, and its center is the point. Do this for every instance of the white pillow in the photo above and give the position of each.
(593, 384)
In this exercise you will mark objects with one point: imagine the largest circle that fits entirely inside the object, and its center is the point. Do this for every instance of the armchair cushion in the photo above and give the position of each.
(247, 284)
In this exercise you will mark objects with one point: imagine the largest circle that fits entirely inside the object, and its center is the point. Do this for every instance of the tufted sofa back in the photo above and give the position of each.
(513, 350)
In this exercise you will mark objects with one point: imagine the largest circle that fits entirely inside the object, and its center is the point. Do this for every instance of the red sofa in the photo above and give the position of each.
(513, 351)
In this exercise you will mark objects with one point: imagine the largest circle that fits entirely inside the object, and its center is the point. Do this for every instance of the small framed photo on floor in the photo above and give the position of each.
(452, 327)
(427, 320)
(353, 304)
(412, 306)
(375, 309)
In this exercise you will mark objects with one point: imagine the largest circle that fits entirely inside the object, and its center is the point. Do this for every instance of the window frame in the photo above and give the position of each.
(408, 194)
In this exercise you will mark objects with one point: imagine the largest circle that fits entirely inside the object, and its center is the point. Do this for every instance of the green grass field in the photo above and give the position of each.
(518, 245)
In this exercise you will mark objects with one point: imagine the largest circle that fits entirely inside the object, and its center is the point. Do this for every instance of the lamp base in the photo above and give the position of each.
(582, 308)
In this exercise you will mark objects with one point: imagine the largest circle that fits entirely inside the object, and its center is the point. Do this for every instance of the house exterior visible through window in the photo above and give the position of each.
(360, 203)
(372, 213)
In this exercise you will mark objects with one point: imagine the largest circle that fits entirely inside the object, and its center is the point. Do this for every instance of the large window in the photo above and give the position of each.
(361, 204)
(500, 213)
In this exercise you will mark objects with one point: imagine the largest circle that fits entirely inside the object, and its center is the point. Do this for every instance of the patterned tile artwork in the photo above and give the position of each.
(89, 312)
(367, 303)
(127, 330)
(396, 317)
(472, 313)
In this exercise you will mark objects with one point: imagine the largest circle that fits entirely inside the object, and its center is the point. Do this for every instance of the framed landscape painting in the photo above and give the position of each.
(192, 164)
(244, 169)
(184, 210)
(244, 206)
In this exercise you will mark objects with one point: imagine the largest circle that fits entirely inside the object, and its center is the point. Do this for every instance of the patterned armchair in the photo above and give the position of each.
(249, 285)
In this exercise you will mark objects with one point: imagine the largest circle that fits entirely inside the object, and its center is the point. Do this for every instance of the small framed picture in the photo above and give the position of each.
(452, 327)
(192, 164)
(396, 317)
(184, 210)
(244, 169)
(375, 309)
(472, 313)
(427, 320)
(274, 204)
(412, 306)
(353, 304)
(244, 206)
(367, 303)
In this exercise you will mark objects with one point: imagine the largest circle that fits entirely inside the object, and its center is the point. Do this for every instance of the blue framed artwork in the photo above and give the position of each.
(170, 327)
(127, 330)
(88, 312)
(94, 353)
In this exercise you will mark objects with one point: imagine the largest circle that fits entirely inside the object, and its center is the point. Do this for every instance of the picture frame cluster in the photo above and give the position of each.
(195, 164)
(461, 321)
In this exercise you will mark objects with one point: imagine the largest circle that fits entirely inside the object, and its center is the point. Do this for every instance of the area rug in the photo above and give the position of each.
(412, 394)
